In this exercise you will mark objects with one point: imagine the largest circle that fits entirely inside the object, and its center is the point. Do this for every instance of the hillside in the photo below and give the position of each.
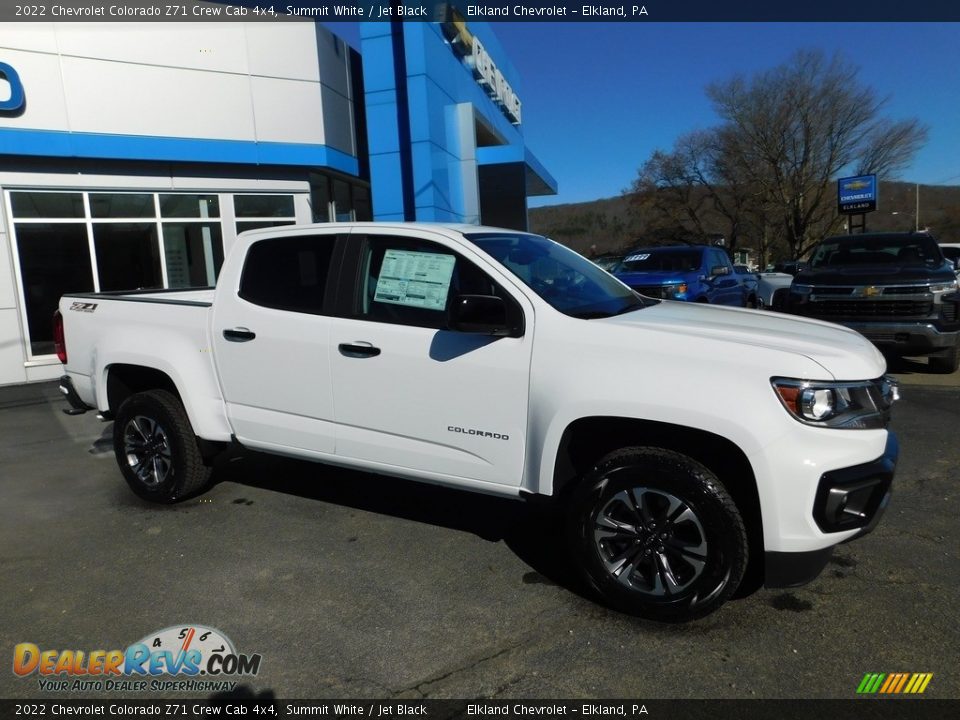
(612, 224)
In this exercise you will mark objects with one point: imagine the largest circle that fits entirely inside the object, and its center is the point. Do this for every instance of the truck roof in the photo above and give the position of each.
(462, 228)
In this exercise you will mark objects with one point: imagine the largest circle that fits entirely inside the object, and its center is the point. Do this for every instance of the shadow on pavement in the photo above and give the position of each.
(532, 531)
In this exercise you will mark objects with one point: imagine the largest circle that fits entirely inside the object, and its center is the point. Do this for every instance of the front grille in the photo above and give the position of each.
(654, 291)
(858, 290)
(870, 308)
(949, 310)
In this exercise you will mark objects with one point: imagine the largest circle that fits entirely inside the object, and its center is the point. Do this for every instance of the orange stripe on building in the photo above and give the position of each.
(903, 680)
(889, 682)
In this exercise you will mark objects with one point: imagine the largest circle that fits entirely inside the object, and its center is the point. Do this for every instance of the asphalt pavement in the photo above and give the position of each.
(353, 585)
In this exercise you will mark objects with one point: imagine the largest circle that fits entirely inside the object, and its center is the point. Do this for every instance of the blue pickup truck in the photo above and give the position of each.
(698, 273)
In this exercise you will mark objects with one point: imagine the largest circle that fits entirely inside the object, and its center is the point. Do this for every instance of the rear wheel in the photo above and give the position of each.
(656, 534)
(156, 448)
(946, 362)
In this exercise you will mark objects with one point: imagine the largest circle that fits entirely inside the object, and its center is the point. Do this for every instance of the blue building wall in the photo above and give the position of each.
(422, 102)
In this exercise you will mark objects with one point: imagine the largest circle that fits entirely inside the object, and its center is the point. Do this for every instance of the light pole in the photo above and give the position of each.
(916, 214)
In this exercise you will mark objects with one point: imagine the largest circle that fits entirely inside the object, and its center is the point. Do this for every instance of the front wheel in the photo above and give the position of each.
(156, 448)
(656, 534)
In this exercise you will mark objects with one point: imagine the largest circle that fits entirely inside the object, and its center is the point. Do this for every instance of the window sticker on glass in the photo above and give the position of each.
(415, 279)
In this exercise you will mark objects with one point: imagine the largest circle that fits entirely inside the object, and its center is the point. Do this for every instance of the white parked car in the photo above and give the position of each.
(689, 446)
(772, 289)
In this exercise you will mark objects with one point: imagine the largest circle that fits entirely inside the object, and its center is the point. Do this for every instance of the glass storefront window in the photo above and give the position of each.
(189, 206)
(263, 206)
(89, 241)
(335, 199)
(320, 198)
(193, 254)
(47, 205)
(54, 259)
(122, 205)
(343, 209)
(257, 224)
(128, 256)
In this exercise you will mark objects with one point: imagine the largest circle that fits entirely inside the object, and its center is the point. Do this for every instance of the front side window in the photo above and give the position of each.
(288, 273)
(411, 282)
(567, 281)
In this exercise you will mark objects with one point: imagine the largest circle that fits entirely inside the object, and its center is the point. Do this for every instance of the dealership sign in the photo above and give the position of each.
(857, 195)
(488, 75)
(16, 101)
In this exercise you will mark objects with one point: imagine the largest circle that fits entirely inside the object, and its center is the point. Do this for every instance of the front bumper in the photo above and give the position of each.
(905, 337)
(852, 498)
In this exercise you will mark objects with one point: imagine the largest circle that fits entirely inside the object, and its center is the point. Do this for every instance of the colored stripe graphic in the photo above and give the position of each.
(894, 683)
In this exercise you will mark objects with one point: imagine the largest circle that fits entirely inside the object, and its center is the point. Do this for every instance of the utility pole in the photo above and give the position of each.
(916, 214)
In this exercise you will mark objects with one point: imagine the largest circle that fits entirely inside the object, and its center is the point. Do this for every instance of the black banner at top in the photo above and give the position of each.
(485, 10)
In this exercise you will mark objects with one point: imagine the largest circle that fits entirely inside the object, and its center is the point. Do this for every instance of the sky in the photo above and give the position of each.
(600, 98)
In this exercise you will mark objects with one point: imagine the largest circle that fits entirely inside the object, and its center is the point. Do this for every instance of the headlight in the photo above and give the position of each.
(673, 290)
(801, 289)
(847, 405)
(944, 287)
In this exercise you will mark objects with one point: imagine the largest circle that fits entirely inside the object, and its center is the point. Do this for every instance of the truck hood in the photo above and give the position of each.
(843, 353)
(875, 275)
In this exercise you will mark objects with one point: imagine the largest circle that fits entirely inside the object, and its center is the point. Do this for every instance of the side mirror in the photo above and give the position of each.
(482, 314)
(719, 270)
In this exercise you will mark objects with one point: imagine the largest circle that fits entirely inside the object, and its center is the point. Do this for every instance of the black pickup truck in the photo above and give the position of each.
(897, 289)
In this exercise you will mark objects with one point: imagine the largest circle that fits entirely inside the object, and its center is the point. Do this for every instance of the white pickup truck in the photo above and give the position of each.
(693, 448)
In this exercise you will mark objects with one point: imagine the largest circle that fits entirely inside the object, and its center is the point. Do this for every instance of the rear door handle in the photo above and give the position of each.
(240, 334)
(358, 350)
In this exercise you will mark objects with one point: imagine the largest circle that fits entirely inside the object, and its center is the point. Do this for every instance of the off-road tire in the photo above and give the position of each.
(153, 428)
(691, 532)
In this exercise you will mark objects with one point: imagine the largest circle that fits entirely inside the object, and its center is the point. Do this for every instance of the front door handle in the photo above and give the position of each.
(358, 350)
(240, 334)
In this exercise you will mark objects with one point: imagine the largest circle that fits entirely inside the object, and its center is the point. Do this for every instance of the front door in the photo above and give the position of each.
(410, 394)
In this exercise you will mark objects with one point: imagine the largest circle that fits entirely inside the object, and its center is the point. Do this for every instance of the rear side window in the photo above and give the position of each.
(288, 273)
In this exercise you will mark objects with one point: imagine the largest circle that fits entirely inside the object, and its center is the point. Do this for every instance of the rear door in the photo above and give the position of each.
(271, 339)
(412, 395)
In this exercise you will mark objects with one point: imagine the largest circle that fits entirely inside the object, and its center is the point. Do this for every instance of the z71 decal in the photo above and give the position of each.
(83, 307)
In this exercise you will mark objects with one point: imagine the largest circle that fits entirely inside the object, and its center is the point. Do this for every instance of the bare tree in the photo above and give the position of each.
(793, 130)
(768, 172)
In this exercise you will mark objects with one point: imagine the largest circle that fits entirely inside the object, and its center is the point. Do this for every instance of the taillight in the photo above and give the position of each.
(59, 344)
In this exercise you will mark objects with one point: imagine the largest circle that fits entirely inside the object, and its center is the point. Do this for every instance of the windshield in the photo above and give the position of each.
(916, 250)
(568, 281)
(656, 260)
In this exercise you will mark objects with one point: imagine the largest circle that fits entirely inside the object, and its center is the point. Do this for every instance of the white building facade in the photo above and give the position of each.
(132, 154)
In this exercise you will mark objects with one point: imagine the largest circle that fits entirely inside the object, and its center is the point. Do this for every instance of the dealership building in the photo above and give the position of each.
(132, 154)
